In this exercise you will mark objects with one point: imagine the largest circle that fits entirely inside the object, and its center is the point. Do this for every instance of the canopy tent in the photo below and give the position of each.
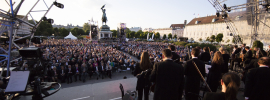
(70, 36)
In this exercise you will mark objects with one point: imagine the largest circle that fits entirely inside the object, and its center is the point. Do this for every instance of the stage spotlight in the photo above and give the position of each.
(51, 21)
(59, 5)
(44, 18)
(217, 14)
(229, 9)
(231, 34)
(228, 27)
(225, 6)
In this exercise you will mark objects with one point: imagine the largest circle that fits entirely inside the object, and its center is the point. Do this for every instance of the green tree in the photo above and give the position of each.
(81, 32)
(74, 31)
(145, 35)
(257, 44)
(44, 29)
(157, 35)
(175, 36)
(86, 27)
(127, 35)
(164, 36)
(169, 35)
(63, 32)
(200, 39)
(228, 41)
(132, 34)
(138, 34)
(87, 32)
(212, 38)
(56, 31)
(219, 37)
(208, 39)
(114, 34)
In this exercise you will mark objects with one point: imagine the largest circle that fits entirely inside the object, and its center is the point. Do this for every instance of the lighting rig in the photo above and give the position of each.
(11, 23)
(253, 17)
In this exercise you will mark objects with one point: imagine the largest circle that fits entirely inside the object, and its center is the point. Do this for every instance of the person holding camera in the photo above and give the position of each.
(143, 83)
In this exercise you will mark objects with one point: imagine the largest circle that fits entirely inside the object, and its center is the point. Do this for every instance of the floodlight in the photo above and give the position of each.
(59, 5)
(225, 6)
(217, 14)
(44, 18)
(51, 21)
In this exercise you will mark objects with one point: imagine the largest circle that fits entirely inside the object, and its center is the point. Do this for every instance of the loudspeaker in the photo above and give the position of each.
(30, 52)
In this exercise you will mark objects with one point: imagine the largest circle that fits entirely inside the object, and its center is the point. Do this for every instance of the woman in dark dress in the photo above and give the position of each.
(226, 58)
(230, 84)
(214, 75)
(145, 64)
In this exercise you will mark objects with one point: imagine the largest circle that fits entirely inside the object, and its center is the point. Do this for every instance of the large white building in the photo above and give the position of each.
(148, 30)
(69, 26)
(135, 29)
(175, 29)
(204, 27)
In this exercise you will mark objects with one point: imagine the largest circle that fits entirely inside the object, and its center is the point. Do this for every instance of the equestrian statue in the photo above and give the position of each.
(104, 17)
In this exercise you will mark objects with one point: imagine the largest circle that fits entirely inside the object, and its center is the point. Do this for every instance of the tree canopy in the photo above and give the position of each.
(219, 37)
(157, 35)
(170, 36)
(164, 36)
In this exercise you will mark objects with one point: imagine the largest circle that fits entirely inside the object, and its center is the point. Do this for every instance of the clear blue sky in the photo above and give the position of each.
(135, 13)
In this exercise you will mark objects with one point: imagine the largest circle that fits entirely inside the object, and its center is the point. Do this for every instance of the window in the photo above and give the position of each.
(196, 22)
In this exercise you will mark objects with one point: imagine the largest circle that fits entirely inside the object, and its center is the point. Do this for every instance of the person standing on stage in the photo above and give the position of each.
(257, 81)
(168, 77)
(205, 55)
(192, 76)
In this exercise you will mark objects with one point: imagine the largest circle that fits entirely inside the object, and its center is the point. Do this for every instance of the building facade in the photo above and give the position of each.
(203, 27)
(135, 29)
(69, 26)
(175, 29)
(148, 30)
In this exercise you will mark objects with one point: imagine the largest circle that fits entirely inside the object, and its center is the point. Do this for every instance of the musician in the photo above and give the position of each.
(248, 56)
(175, 57)
(205, 55)
(243, 50)
(258, 52)
(235, 54)
(192, 76)
(230, 84)
(169, 78)
(257, 81)
(215, 71)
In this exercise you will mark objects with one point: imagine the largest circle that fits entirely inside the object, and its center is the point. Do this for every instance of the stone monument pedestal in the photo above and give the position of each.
(105, 34)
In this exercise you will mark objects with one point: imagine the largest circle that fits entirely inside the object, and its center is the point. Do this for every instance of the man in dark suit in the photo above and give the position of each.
(175, 56)
(205, 56)
(192, 76)
(257, 81)
(243, 49)
(235, 55)
(168, 77)
(69, 72)
(77, 72)
(248, 56)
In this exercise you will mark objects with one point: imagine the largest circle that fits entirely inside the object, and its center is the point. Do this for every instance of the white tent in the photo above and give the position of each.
(70, 36)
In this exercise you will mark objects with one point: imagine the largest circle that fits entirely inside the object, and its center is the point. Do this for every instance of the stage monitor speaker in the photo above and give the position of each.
(30, 52)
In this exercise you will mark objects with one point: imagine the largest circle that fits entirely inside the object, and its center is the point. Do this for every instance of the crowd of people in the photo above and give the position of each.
(75, 60)
(167, 70)
(172, 80)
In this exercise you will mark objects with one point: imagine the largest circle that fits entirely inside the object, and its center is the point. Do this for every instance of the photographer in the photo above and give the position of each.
(143, 83)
